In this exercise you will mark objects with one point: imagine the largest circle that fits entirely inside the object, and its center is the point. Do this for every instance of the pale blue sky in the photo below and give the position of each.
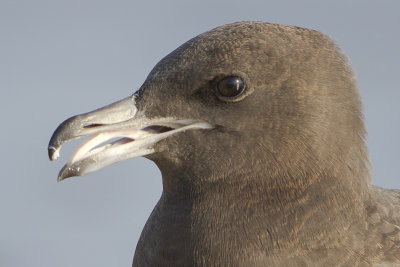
(60, 58)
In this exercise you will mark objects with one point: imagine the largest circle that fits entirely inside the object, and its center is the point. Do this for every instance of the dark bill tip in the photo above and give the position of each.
(78, 168)
(67, 172)
(67, 130)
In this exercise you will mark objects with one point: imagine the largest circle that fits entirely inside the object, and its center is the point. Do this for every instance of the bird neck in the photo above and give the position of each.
(244, 209)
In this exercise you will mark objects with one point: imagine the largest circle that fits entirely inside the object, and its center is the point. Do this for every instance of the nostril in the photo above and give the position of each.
(157, 129)
(92, 125)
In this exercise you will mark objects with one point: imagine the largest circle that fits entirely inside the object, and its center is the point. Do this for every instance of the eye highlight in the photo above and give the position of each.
(230, 87)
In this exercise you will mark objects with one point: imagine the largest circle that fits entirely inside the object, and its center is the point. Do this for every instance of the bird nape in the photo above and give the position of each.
(258, 131)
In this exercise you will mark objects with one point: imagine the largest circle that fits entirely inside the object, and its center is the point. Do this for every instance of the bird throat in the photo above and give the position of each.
(222, 217)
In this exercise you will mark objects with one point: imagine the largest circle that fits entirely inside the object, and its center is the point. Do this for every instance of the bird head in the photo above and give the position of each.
(274, 97)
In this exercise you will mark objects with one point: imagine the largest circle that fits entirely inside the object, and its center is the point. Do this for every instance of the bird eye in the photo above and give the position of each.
(230, 86)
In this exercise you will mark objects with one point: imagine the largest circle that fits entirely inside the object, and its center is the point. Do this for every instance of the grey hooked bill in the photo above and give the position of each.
(114, 133)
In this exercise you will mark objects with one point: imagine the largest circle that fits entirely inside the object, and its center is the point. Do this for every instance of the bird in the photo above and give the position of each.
(257, 129)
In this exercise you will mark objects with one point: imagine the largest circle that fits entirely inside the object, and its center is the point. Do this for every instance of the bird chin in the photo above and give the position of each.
(113, 133)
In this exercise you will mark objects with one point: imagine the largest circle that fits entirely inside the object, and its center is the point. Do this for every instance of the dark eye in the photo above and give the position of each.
(230, 86)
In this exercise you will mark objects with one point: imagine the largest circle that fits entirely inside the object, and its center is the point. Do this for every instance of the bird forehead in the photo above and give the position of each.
(206, 59)
(232, 46)
(228, 41)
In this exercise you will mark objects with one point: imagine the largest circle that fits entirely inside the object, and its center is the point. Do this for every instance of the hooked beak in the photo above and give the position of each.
(129, 133)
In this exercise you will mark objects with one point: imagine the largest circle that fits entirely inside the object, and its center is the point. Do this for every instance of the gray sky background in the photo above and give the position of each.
(61, 58)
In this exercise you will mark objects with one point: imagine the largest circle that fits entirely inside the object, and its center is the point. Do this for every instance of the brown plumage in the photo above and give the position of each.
(280, 174)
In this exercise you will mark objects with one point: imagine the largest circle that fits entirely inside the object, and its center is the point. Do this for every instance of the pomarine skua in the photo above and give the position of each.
(258, 131)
